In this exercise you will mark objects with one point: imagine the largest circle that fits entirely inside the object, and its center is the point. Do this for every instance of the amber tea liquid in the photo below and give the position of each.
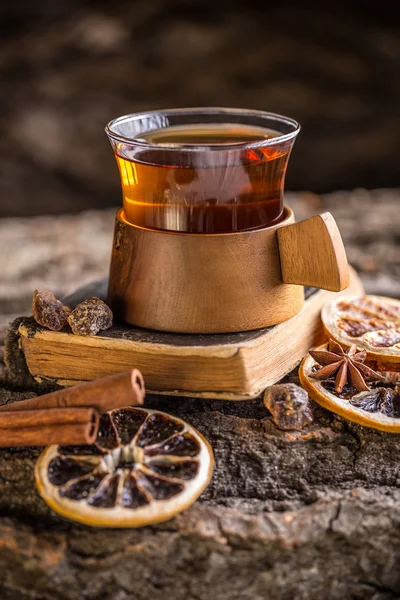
(202, 187)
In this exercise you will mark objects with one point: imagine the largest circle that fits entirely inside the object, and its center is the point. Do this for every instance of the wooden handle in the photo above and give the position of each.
(312, 253)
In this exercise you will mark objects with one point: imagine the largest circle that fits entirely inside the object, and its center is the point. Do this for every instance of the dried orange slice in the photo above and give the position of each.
(145, 467)
(370, 322)
(378, 408)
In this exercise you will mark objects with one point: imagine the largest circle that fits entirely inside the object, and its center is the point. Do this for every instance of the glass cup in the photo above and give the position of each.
(203, 170)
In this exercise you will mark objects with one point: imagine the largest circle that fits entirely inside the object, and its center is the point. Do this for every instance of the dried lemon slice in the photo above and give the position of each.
(370, 322)
(145, 467)
(378, 408)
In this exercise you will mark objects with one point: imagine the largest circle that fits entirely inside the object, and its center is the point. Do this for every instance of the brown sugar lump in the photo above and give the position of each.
(48, 311)
(289, 406)
(90, 317)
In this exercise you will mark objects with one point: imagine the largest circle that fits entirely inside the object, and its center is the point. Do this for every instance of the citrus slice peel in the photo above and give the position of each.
(370, 322)
(324, 393)
(145, 467)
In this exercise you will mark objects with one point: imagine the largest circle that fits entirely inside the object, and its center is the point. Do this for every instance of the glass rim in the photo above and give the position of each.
(237, 112)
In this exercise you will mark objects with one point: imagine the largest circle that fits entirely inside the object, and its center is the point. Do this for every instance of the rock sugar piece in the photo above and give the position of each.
(145, 467)
(377, 405)
(289, 405)
(370, 322)
(90, 317)
(48, 311)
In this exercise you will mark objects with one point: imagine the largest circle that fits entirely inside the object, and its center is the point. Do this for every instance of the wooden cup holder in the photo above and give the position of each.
(218, 283)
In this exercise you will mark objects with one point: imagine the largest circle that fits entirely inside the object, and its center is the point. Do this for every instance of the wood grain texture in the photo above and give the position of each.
(48, 253)
(188, 283)
(312, 253)
(237, 367)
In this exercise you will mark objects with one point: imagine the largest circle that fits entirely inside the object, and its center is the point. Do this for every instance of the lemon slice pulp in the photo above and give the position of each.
(370, 322)
(378, 408)
(145, 467)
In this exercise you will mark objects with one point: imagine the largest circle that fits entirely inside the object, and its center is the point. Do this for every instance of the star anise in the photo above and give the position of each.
(347, 367)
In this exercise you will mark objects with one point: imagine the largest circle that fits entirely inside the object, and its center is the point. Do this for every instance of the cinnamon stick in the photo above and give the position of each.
(104, 394)
(51, 426)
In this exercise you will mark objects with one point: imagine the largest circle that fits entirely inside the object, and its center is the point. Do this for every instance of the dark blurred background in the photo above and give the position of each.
(69, 66)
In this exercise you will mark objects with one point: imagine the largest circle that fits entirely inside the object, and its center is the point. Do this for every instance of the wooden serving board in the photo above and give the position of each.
(229, 366)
